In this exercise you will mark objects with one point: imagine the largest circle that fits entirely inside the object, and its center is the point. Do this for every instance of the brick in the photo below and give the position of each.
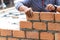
(47, 16)
(5, 32)
(25, 24)
(25, 39)
(33, 35)
(57, 17)
(46, 36)
(54, 26)
(13, 39)
(19, 34)
(2, 38)
(34, 17)
(39, 25)
(57, 36)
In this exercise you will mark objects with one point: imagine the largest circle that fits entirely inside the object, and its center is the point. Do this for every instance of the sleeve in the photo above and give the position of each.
(23, 2)
(57, 2)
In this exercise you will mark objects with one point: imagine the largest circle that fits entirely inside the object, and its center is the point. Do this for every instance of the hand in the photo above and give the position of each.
(50, 7)
(58, 8)
(29, 12)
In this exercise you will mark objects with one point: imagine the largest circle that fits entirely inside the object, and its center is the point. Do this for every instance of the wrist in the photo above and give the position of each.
(23, 8)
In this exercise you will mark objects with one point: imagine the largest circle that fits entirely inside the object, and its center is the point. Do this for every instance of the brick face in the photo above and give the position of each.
(2, 38)
(47, 16)
(33, 35)
(54, 26)
(34, 17)
(46, 36)
(5, 32)
(25, 24)
(57, 17)
(19, 34)
(25, 39)
(13, 39)
(57, 36)
(39, 25)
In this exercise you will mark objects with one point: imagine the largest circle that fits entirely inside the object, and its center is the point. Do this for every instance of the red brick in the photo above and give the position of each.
(57, 36)
(33, 35)
(39, 25)
(2, 38)
(5, 32)
(12, 39)
(54, 26)
(47, 16)
(25, 24)
(34, 17)
(19, 34)
(25, 39)
(57, 17)
(46, 36)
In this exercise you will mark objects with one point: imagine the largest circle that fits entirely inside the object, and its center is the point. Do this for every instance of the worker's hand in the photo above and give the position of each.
(50, 7)
(29, 12)
(58, 8)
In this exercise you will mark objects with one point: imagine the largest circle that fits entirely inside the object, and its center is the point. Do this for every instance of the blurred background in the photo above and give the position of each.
(7, 3)
(9, 16)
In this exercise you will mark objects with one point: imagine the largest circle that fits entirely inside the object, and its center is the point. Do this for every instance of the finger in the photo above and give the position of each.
(47, 7)
(29, 12)
(50, 7)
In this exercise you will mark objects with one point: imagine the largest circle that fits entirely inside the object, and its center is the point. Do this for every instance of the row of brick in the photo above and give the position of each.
(4, 38)
(49, 26)
(47, 16)
(28, 35)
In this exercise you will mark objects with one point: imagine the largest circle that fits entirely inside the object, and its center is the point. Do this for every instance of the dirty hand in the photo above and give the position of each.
(29, 12)
(50, 7)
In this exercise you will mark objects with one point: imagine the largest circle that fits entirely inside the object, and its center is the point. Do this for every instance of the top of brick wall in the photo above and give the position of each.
(45, 16)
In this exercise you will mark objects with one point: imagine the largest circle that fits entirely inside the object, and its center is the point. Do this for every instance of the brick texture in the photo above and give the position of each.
(57, 36)
(5, 32)
(57, 17)
(46, 36)
(33, 35)
(47, 16)
(13, 39)
(2, 38)
(54, 26)
(25, 24)
(18, 34)
(41, 26)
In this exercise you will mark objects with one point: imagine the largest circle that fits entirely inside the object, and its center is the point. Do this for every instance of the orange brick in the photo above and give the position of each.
(57, 17)
(39, 25)
(12, 39)
(5, 32)
(33, 35)
(2, 38)
(26, 24)
(46, 36)
(34, 17)
(57, 36)
(47, 16)
(19, 34)
(25, 39)
(54, 26)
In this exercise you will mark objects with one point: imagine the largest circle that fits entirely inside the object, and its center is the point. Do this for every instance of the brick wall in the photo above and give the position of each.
(42, 26)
